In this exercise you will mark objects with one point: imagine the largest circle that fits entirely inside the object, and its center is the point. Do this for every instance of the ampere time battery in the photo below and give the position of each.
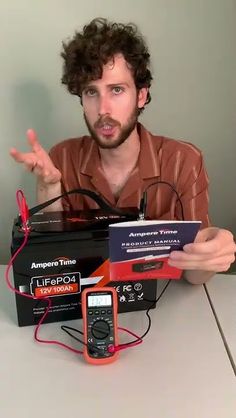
(65, 253)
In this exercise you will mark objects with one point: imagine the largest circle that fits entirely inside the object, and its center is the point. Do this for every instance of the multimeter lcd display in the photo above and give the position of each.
(99, 300)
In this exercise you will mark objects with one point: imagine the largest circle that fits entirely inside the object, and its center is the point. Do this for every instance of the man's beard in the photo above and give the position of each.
(125, 130)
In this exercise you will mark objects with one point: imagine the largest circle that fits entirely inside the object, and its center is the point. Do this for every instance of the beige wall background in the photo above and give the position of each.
(193, 95)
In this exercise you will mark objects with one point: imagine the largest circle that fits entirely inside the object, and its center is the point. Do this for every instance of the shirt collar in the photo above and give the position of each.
(91, 158)
(149, 164)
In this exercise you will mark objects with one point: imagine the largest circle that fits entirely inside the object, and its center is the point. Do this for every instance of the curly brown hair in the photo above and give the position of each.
(86, 54)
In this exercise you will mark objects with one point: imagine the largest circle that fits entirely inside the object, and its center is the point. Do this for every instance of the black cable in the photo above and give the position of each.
(96, 197)
(153, 302)
(143, 202)
(162, 292)
(65, 328)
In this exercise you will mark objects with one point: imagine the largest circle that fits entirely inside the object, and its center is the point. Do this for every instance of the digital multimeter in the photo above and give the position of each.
(99, 310)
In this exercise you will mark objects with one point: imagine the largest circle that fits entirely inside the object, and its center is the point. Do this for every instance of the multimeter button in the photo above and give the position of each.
(97, 312)
(103, 312)
(109, 311)
(90, 312)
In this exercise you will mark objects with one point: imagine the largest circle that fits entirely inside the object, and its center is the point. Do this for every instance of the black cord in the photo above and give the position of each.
(94, 196)
(153, 303)
(143, 202)
(66, 329)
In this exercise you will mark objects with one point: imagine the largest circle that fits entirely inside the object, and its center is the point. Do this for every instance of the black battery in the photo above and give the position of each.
(64, 254)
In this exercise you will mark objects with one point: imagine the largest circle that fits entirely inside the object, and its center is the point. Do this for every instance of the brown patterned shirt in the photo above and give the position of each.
(161, 159)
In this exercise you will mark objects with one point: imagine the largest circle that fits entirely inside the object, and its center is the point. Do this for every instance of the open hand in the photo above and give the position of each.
(37, 160)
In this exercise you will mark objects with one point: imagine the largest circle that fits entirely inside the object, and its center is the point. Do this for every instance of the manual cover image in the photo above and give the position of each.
(140, 249)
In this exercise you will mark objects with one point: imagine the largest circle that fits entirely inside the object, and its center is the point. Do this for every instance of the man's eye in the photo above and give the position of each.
(117, 90)
(90, 92)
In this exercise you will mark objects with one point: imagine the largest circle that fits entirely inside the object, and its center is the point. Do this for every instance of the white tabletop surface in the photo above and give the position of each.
(180, 371)
(222, 293)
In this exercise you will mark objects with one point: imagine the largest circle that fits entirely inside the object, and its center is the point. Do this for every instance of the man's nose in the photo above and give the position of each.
(104, 106)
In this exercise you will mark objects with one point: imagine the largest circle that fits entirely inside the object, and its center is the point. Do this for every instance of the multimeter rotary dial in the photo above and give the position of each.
(100, 329)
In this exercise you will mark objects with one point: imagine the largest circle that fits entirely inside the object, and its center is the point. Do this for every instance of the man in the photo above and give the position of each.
(107, 66)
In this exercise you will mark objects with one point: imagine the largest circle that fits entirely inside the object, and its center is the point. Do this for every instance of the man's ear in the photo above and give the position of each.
(142, 97)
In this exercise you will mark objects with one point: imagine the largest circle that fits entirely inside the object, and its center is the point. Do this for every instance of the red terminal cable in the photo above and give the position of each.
(114, 348)
(23, 208)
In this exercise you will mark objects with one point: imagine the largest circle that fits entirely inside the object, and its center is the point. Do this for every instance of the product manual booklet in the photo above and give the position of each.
(140, 249)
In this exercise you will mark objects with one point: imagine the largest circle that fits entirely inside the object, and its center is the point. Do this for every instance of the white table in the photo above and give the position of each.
(222, 293)
(180, 371)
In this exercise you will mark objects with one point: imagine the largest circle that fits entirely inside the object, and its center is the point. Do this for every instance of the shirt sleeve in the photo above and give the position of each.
(194, 193)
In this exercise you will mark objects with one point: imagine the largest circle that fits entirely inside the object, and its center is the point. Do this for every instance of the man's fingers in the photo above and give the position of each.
(207, 234)
(28, 159)
(33, 140)
(18, 156)
(37, 161)
(214, 264)
(200, 256)
(213, 250)
(47, 175)
(37, 166)
(182, 256)
(219, 243)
